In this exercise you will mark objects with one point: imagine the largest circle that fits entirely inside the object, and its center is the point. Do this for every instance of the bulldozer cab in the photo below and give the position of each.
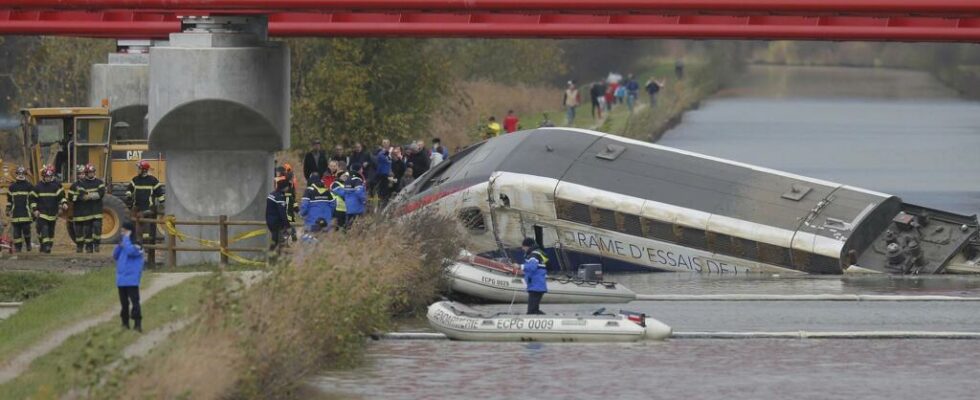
(65, 138)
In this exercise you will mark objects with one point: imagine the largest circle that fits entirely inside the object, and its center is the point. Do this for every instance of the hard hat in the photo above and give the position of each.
(143, 165)
(21, 173)
(80, 168)
(89, 168)
(287, 167)
(47, 172)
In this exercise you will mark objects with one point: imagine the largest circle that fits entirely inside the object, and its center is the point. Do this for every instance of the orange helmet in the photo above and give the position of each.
(287, 167)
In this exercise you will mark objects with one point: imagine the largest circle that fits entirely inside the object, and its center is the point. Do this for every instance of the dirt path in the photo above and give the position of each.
(23, 360)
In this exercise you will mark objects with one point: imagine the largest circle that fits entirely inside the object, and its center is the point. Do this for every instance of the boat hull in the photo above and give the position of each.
(459, 322)
(497, 286)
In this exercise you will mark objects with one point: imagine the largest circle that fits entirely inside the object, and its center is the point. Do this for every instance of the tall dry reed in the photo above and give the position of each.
(313, 312)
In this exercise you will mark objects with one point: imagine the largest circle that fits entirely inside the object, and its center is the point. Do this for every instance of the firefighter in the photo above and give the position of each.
(19, 210)
(145, 196)
(292, 206)
(86, 195)
(49, 200)
(275, 216)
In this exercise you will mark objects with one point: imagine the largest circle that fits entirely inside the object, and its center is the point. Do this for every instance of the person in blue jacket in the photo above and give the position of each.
(129, 269)
(317, 204)
(275, 215)
(535, 275)
(355, 196)
(381, 177)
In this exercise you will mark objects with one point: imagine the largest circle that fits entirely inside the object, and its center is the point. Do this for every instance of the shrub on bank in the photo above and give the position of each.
(313, 312)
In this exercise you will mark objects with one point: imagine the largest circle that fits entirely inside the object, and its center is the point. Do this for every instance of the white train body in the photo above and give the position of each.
(589, 197)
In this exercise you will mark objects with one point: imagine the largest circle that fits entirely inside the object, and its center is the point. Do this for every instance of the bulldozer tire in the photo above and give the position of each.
(114, 212)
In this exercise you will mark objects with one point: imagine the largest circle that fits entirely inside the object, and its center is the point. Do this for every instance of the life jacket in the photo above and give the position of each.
(539, 254)
(337, 188)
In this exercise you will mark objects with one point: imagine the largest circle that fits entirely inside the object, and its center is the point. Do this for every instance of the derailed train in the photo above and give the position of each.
(590, 197)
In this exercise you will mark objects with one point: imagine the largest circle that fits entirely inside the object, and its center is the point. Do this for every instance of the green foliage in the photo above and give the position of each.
(508, 61)
(55, 71)
(347, 90)
(21, 286)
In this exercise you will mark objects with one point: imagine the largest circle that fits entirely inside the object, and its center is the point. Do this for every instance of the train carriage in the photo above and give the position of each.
(592, 197)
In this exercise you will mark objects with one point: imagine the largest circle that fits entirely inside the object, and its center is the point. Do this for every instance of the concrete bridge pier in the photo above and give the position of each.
(219, 109)
(124, 85)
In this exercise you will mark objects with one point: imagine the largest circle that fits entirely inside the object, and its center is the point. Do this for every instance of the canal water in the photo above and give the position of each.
(898, 132)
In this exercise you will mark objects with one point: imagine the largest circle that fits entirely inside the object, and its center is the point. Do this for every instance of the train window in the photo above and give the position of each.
(721, 244)
(658, 230)
(773, 254)
(572, 211)
(691, 237)
(603, 218)
(747, 249)
(473, 220)
(629, 224)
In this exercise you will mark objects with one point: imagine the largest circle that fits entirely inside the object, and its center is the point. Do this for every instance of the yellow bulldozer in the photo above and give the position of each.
(67, 137)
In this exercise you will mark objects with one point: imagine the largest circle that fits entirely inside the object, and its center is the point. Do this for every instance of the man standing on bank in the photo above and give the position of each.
(129, 269)
(535, 275)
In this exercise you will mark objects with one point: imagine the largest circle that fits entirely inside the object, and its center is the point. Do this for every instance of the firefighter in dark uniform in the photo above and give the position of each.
(86, 195)
(19, 196)
(292, 207)
(145, 195)
(49, 200)
(275, 216)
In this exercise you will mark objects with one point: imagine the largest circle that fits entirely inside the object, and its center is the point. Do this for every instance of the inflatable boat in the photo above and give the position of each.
(495, 281)
(460, 322)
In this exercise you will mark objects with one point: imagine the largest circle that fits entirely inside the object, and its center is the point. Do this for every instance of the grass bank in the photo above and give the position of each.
(82, 360)
(23, 286)
(79, 297)
(314, 312)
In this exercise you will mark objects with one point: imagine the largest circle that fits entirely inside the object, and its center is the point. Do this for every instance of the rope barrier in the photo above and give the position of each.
(171, 227)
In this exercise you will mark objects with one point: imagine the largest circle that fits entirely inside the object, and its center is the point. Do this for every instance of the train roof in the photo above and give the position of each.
(667, 175)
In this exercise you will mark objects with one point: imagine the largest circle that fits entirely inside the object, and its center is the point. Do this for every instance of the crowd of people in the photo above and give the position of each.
(337, 186)
(603, 94)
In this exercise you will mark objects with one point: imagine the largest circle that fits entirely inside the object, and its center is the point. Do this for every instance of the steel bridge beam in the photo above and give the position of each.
(895, 7)
(159, 24)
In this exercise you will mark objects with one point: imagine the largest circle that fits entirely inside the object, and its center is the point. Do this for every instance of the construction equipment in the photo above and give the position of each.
(70, 136)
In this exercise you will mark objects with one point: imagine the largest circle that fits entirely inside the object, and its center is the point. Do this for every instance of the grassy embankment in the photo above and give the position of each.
(702, 79)
(314, 313)
(82, 296)
(84, 359)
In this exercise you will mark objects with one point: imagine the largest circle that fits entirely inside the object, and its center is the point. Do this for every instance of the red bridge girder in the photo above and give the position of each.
(899, 20)
(900, 7)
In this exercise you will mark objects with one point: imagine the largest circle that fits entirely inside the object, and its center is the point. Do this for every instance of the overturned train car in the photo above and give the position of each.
(590, 197)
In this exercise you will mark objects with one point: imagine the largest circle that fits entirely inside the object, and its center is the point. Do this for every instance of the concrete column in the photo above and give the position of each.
(219, 108)
(124, 83)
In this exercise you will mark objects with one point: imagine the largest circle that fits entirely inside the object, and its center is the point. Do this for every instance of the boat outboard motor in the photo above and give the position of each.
(590, 272)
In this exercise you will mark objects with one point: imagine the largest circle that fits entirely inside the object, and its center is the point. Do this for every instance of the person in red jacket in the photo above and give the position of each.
(511, 122)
